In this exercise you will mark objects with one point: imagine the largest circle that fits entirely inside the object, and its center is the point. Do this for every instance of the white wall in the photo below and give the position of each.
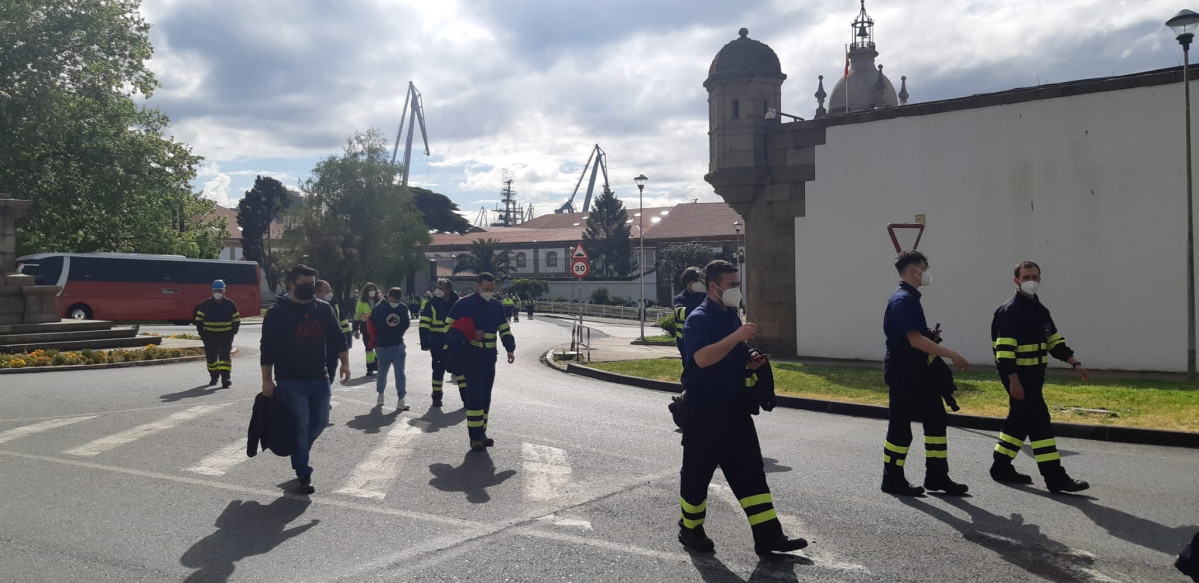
(1091, 187)
(629, 290)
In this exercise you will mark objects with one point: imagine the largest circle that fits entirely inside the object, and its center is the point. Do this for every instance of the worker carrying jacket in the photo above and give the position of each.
(217, 321)
(477, 353)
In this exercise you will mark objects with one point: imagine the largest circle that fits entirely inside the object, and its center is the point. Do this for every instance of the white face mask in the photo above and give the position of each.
(438, 293)
(1030, 287)
(393, 305)
(926, 279)
(697, 287)
(328, 297)
(731, 298)
(370, 294)
(217, 295)
(487, 295)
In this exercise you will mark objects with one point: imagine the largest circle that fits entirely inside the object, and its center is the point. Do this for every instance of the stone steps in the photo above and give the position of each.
(39, 337)
(82, 344)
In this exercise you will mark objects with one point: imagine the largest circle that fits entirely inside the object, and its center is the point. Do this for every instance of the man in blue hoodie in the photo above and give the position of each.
(295, 334)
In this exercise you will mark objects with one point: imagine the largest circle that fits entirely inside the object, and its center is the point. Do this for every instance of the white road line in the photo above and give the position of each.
(20, 432)
(547, 472)
(556, 520)
(223, 460)
(128, 436)
(374, 475)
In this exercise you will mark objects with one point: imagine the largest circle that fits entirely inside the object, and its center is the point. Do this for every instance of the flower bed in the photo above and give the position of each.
(66, 358)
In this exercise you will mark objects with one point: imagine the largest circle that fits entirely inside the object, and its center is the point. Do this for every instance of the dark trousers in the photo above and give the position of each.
(728, 440)
(371, 364)
(218, 349)
(1029, 419)
(438, 356)
(913, 398)
(479, 379)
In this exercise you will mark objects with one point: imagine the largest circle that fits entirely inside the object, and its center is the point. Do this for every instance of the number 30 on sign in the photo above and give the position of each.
(580, 267)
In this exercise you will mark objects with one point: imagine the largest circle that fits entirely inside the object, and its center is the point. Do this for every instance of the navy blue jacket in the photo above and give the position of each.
(389, 324)
(489, 317)
(684, 304)
(723, 384)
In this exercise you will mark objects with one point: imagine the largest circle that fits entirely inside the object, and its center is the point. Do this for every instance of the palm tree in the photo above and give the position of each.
(485, 255)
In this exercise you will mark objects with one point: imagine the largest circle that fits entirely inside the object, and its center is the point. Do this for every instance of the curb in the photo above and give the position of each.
(1116, 434)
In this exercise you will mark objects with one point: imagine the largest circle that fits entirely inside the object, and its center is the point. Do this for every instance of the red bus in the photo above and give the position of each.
(132, 286)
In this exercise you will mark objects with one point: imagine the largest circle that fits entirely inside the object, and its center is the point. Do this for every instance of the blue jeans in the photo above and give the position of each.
(308, 402)
(390, 357)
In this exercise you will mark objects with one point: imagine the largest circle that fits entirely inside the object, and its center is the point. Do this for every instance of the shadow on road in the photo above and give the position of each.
(473, 477)
(772, 466)
(1015, 541)
(774, 568)
(362, 380)
(373, 421)
(244, 529)
(200, 391)
(436, 418)
(1124, 526)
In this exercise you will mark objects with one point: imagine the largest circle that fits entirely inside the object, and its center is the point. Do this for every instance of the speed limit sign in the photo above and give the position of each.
(580, 268)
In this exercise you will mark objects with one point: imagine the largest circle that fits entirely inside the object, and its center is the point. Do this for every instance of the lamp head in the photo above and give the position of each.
(1183, 24)
(640, 180)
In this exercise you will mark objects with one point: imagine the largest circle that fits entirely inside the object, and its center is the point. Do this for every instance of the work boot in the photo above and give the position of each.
(226, 383)
(212, 380)
(769, 539)
(695, 538)
(1060, 481)
(478, 445)
(1005, 473)
(436, 399)
(936, 478)
(894, 482)
(305, 487)
(489, 442)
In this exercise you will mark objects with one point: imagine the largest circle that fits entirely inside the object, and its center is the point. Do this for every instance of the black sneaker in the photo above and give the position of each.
(781, 544)
(695, 539)
(1007, 474)
(305, 486)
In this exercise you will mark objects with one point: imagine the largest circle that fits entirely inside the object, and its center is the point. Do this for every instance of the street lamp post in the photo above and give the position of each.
(1183, 24)
(737, 252)
(641, 180)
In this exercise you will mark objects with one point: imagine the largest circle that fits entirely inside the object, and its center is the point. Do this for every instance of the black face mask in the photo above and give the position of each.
(305, 291)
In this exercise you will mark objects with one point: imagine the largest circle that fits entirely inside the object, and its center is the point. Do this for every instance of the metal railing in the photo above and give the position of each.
(599, 311)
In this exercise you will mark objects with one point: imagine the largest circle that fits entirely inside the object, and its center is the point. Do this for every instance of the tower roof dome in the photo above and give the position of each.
(745, 57)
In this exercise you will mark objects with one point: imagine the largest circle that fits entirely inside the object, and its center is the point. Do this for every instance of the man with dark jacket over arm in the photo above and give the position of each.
(433, 327)
(480, 354)
(295, 334)
(718, 430)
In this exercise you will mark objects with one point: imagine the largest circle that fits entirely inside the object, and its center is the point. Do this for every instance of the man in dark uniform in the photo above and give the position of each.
(1024, 337)
(911, 348)
(693, 294)
(433, 327)
(324, 291)
(718, 430)
(481, 354)
(217, 321)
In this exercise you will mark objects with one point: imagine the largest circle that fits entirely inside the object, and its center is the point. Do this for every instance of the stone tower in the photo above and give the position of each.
(865, 88)
(759, 170)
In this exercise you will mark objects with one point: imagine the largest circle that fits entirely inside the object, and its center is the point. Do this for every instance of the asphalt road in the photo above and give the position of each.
(140, 474)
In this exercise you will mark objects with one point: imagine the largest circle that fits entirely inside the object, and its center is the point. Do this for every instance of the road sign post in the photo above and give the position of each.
(580, 266)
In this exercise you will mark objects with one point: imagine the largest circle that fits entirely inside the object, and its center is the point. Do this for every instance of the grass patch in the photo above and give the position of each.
(660, 340)
(1132, 402)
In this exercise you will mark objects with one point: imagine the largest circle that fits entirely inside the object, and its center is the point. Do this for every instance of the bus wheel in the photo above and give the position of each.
(79, 312)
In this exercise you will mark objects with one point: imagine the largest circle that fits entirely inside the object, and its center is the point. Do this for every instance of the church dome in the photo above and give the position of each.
(745, 57)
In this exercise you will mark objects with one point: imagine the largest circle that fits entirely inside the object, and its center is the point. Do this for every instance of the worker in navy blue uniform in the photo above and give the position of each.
(432, 331)
(718, 430)
(1023, 337)
(490, 326)
(912, 393)
(217, 321)
(324, 291)
(693, 294)
(296, 333)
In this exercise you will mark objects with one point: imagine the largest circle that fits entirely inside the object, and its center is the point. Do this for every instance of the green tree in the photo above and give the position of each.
(674, 258)
(485, 255)
(354, 222)
(97, 165)
(441, 213)
(600, 296)
(529, 288)
(607, 237)
(258, 209)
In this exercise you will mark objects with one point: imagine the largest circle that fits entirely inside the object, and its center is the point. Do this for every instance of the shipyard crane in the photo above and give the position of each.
(415, 105)
(601, 163)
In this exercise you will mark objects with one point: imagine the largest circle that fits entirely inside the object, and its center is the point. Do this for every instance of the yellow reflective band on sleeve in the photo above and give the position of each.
(1005, 451)
(692, 508)
(1051, 442)
(1002, 354)
(1004, 342)
(487, 335)
(936, 439)
(1048, 457)
(761, 517)
(449, 320)
(236, 316)
(756, 500)
(751, 380)
(1012, 440)
(894, 448)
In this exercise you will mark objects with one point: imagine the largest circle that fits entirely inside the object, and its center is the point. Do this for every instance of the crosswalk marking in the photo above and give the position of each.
(130, 435)
(373, 476)
(547, 471)
(20, 432)
(223, 460)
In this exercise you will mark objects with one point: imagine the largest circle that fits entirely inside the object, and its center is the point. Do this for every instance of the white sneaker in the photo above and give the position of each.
(401, 406)
(379, 401)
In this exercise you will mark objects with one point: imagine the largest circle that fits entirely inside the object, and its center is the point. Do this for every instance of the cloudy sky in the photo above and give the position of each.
(272, 86)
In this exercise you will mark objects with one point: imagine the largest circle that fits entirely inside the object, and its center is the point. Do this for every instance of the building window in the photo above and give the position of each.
(736, 108)
(551, 259)
(520, 260)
